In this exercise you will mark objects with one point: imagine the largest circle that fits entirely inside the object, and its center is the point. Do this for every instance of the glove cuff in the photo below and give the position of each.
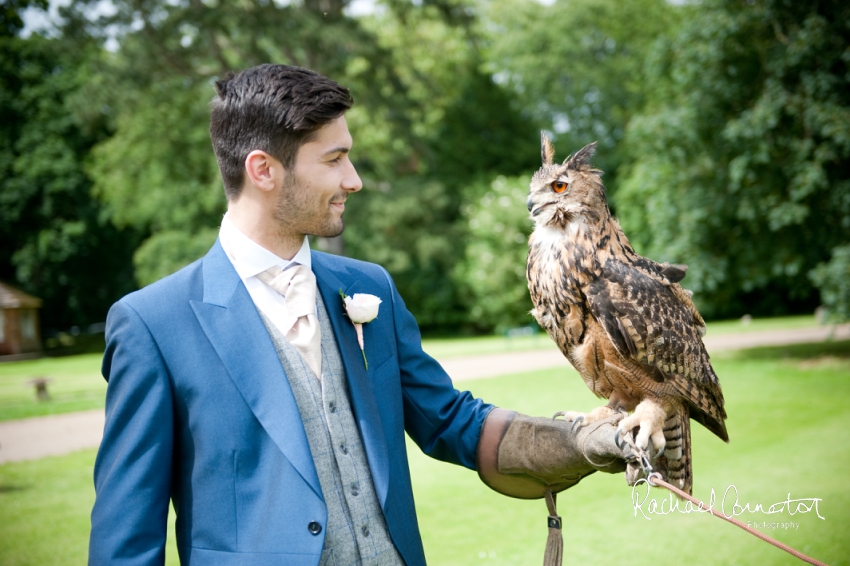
(523, 456)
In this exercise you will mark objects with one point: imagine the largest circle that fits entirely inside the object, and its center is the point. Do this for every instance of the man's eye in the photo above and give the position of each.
(559, 186)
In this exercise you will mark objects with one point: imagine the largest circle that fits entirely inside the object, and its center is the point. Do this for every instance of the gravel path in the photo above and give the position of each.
(55, 435)
(29, 439)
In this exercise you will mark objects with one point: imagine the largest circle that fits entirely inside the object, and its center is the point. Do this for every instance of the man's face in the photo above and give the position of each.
(312, 196)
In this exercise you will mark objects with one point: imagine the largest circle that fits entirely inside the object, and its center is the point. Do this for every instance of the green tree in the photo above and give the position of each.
(576, 65)
(740, 160)
(492, 274)
(833, 280)
(467, 131)
(426, 123)
(156, 172)
(57, 243)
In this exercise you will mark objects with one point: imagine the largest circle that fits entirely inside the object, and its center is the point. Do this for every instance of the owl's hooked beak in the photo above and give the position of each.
(535, 211)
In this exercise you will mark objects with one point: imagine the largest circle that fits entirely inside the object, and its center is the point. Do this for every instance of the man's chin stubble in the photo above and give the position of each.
(333, 234)
(328, 231)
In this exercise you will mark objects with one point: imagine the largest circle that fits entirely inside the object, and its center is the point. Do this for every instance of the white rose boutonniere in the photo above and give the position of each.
(361, 308)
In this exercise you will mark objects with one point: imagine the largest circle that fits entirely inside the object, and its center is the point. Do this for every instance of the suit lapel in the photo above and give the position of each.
(233, 325)
(363, 402)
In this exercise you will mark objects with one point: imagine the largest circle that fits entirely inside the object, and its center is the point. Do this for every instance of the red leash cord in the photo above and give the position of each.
(654, 479)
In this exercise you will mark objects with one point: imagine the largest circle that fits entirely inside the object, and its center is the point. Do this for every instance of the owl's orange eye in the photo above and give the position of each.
(559, 186)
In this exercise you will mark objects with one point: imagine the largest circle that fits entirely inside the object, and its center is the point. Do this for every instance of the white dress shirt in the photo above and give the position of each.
(249, 259)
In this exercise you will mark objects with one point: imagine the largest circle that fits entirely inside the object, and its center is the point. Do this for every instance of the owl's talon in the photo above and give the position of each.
(648, 418)
(558, 414)
(645, 463)
(623, 439)
(576, 423)
(641, 457)
(620, 437)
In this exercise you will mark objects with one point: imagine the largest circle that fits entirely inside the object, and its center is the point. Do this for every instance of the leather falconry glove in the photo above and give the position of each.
(524, 456)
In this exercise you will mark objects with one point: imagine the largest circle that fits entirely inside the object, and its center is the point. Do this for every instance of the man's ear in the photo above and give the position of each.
(263, 170)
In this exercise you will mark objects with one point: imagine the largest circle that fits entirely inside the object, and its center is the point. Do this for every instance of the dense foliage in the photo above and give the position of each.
(427, 122)
(57, 243)
(741, 162)
(833, 280)
(576, 66)
(723, 130)
(492, 274)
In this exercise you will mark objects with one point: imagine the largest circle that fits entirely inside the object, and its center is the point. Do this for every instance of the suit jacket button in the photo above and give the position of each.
(314, 528)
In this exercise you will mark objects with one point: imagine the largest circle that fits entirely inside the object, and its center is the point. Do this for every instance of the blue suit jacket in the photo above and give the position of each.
(198, 410)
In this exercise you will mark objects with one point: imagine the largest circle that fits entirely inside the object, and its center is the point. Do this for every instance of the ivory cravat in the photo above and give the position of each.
(300, 326)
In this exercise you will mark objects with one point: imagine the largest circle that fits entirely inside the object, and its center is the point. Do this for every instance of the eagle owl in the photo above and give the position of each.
(623, 321)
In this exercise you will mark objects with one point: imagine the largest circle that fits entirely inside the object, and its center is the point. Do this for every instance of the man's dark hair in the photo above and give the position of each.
(273, 108)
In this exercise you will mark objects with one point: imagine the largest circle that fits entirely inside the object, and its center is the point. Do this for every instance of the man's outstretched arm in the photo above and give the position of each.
(132, 474)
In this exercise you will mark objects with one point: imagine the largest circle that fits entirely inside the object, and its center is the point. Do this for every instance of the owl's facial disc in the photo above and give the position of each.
(549, 193)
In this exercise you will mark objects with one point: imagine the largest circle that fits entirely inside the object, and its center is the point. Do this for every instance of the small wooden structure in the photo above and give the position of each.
(19, 328)
(40, 384)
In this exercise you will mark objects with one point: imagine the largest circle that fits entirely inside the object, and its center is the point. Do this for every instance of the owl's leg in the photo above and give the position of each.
(648, 418)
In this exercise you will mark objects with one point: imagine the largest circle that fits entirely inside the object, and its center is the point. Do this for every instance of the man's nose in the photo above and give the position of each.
(351, 182)
(529, 204)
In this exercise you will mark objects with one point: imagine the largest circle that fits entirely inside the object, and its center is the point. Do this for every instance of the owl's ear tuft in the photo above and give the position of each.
(547, 150)
(581, 160)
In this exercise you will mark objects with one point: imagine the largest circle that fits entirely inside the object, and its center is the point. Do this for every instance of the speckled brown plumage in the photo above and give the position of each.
(622, 320)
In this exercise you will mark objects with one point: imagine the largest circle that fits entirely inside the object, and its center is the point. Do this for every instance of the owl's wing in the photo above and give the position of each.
(647, 321)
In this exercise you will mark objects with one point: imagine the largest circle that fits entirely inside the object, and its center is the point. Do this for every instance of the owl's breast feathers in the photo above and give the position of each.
(606, 306)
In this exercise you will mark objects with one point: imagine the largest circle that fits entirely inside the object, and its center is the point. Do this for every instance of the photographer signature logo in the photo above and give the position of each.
(730, 506)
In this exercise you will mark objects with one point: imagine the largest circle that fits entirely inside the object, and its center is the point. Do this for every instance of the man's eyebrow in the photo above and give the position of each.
(340, 149)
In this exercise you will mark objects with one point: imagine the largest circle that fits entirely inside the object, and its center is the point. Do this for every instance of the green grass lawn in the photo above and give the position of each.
(787, 426)
(444, 348)
(77, 384)
(44, 511)
(787, 423)
(736, 326)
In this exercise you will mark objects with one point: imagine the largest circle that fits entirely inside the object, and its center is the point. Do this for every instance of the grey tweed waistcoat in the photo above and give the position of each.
(356, 533)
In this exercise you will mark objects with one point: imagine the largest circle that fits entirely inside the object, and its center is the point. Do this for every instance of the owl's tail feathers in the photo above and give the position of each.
(677, 453)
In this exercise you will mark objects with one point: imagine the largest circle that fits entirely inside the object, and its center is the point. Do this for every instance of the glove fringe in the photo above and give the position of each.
(554, 555)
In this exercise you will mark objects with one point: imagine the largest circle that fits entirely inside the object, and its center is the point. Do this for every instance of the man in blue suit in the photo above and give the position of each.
(273, 451)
